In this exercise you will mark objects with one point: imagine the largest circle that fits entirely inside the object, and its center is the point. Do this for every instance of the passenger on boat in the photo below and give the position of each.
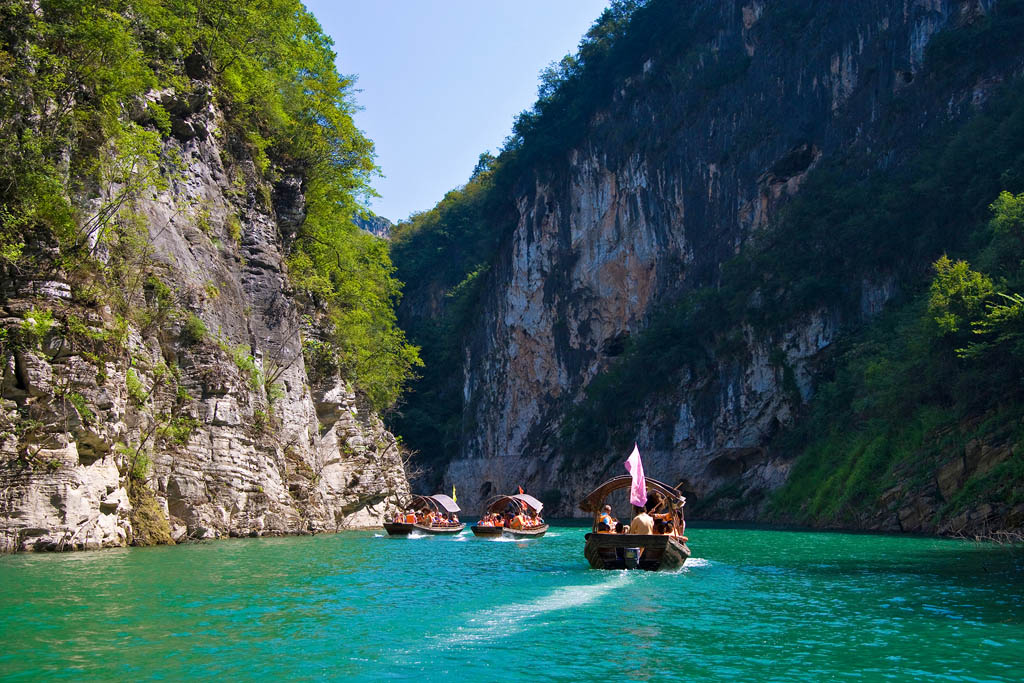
(603, 528)
(642, 522)
(606, 516)
(454, 519)
(619, 529)
(517, 522)
(410, 517)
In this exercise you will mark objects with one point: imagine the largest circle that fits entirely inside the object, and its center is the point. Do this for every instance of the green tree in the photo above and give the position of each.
(958, 295)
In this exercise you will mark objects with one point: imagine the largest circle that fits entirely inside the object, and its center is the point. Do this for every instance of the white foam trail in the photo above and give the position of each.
(697, 562)
(378, 535)
(504, 620)
(509, 539)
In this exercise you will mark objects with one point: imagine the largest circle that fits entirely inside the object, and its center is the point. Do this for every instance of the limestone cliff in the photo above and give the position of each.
(205, 422)
(675, 174)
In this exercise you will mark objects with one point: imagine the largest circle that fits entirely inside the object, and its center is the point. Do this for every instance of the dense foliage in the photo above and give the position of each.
(903, 393)
(75, 122)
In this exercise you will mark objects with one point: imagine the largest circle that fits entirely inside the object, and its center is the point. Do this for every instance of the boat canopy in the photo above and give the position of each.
(530, 501)
(437, 502)
(445, 502)
(520, 500)
(595, 499)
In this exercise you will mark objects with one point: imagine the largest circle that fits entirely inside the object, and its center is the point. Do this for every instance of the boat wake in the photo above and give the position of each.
(501, 621)
(691, 563)
(509, 539)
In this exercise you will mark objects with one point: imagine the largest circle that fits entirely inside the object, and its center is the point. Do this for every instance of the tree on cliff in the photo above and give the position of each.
(79, 85)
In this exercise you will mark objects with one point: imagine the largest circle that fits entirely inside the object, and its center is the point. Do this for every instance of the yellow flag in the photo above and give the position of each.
(454, 499)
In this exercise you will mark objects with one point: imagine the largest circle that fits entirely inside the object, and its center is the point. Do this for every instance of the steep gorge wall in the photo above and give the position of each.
(179, 430)
(668, 185)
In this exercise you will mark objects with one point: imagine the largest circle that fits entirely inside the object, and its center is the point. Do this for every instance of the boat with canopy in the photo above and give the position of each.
(518, 504)
(609, 550)
(419, 507)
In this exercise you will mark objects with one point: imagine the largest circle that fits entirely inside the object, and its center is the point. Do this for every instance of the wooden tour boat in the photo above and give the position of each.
(439, 503)
(518, 503)
(634, 551)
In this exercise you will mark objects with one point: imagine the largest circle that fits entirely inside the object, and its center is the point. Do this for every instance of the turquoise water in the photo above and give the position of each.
(750, 604)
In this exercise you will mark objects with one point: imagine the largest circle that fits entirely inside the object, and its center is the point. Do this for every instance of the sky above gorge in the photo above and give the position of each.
(440, 81)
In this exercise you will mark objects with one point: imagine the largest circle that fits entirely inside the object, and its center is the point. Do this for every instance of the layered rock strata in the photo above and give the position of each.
(203, 423)
(667, 186)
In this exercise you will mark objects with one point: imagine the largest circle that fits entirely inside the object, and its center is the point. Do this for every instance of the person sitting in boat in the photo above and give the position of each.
(517, 522)
(619, 528)
(455, 519)
(410, 517)
(642, 522)
(606, 516)
(603, 528)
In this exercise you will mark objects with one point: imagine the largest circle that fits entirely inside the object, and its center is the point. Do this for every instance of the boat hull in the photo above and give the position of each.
(617, 551)
(525, 533)
(486, 531)
(403, 529)
(441, 530)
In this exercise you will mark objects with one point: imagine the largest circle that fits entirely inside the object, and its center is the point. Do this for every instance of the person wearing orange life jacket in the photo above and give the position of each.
(518, 522)
(606, 517)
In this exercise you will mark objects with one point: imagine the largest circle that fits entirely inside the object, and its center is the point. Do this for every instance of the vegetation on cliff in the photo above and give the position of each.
(85, 92)
(903, 396)
(443, 255)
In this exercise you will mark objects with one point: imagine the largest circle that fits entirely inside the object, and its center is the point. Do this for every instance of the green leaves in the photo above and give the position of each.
(75, 72)
(1008, 215)
(958, 294)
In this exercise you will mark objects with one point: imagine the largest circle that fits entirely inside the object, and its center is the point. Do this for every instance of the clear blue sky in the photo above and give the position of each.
(440, 81)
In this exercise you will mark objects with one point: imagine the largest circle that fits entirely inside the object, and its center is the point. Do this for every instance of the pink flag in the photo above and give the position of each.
(638, 490)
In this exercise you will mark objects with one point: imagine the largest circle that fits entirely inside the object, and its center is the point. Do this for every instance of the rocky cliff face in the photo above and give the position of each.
(375, 225)
(668, 185)
(205, 422)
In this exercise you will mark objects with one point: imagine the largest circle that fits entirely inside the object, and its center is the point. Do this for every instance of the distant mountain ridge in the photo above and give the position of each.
(374, 224)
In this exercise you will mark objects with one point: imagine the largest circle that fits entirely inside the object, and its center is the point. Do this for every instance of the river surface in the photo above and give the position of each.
(749, 605)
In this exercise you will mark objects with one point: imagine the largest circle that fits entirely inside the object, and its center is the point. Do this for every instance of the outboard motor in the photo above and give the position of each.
(631, 556)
